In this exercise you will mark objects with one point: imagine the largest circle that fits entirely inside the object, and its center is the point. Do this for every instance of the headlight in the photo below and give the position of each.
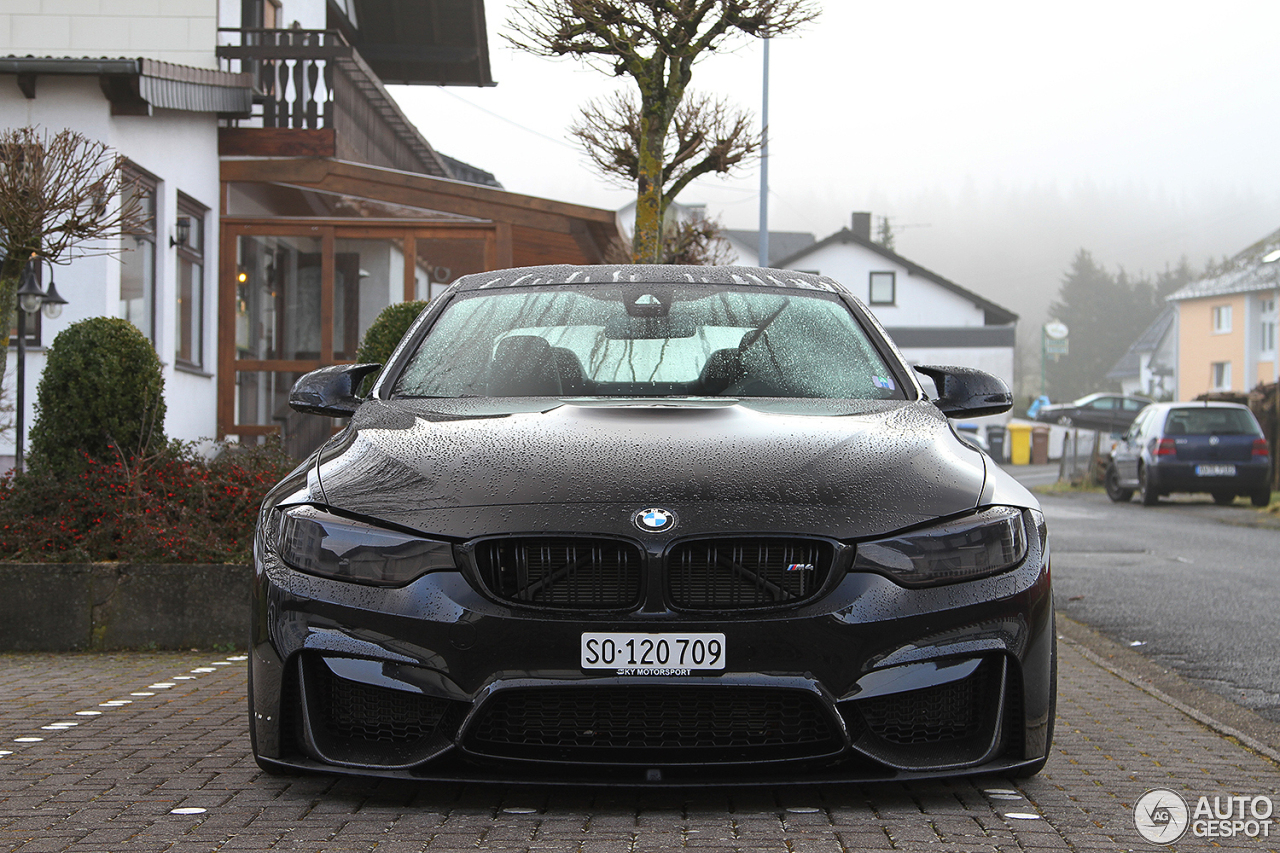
(963, 549)
(319, 543)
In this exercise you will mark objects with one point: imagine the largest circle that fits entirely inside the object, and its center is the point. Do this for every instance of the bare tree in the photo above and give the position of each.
(698, 241)
(655, 42)
(706, 135)
(60, 198)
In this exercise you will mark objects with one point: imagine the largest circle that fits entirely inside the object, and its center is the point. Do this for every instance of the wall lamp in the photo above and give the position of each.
(182, 230)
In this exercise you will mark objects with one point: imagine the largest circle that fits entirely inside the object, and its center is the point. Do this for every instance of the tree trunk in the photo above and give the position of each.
(646, 242)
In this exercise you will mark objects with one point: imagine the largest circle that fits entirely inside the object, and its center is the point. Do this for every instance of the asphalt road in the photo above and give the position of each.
(1186, 583)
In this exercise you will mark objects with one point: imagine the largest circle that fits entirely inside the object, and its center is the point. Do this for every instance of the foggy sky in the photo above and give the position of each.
(1000, 137)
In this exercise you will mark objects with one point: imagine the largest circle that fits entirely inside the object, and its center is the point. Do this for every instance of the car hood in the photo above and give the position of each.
(462, 468)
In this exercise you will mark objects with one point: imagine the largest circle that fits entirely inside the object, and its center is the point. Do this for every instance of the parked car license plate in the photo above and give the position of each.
(658, 653)
(1215, 470)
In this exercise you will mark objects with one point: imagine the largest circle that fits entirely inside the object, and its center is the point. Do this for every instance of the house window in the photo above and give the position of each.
(189, 332)
(1267, 336)
(1222, 376)
(882, 288)
(1221, 319)
(138, 260)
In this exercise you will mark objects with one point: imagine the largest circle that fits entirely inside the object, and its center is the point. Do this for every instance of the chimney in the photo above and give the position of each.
(862, 225)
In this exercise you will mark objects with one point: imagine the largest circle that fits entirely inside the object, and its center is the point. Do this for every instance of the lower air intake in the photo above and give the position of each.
(367, 725)
(653, 725)
(935, 715)
(353, 711)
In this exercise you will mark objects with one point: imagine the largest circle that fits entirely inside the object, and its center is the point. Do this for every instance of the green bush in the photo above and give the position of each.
(170, 506)
(384, 335)
(102, 391)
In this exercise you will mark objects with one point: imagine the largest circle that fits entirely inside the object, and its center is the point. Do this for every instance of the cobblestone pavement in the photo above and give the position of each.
(130, 743)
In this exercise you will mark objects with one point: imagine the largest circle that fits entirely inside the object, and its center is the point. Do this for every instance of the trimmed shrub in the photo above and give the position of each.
(384, 335)
(386, 330)
(172, 506)
(102, 390)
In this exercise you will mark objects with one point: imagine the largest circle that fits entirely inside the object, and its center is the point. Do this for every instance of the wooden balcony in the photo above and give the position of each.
(314, 96)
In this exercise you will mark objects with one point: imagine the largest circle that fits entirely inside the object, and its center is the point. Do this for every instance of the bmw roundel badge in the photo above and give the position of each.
(654, 520)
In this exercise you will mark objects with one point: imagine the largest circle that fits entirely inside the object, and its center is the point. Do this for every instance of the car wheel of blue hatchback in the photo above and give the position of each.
(638, 525)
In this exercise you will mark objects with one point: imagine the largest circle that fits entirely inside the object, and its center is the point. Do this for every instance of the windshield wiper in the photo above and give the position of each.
(751, 337)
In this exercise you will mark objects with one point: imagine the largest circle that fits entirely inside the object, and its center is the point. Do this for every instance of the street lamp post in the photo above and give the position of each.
(30, 300)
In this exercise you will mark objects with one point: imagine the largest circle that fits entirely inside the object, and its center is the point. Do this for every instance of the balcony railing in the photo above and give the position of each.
(314, 79)
(293, 72)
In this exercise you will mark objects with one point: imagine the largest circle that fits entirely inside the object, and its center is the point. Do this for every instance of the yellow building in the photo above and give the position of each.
(1226, 324)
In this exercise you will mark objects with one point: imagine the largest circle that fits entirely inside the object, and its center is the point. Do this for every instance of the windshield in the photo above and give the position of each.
(1209, 421)
(646, 340)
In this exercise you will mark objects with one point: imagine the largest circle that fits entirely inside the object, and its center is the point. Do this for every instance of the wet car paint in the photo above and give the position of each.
(842, 470)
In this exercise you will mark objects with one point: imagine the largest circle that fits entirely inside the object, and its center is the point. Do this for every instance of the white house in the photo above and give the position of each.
(932, 320)
(265, 129)
(150, 88)
(1149, 367)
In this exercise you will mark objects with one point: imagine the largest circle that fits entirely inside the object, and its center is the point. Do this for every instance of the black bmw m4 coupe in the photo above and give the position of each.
(651, 525)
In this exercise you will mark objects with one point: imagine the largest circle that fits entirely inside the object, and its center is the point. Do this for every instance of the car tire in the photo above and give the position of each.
(1148, 495)
(1223, 498)
(1262, 497)
(1111, 481)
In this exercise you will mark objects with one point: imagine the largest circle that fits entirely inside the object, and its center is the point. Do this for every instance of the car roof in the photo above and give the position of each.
(648, 274)
(1202, 404)
(1099, 394)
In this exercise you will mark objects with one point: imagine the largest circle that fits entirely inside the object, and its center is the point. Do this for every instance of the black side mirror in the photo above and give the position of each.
(330, 390)
(967, 392)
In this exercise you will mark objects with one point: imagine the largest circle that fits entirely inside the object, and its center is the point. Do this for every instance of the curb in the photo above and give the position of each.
(1253, 731)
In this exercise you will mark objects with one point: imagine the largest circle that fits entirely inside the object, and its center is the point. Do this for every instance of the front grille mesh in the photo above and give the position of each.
(680, 724)
(934, 715)
(719, 574)
(574, 573)
(353, 711)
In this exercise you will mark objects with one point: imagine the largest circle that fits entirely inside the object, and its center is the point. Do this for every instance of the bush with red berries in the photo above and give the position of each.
(169, 506)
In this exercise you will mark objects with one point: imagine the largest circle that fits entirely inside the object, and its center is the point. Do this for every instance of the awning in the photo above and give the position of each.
(137, 86)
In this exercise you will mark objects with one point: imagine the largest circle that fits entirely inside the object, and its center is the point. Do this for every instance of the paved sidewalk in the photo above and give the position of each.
(113, 781)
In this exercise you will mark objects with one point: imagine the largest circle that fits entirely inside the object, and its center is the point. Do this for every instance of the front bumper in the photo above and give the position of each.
(435, 681)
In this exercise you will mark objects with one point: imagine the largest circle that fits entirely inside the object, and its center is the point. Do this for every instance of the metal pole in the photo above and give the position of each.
(762, 249)
(22, 389)
(1042, 358)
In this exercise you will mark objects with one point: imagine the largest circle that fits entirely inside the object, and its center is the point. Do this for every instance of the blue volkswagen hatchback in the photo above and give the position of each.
(1191, 447)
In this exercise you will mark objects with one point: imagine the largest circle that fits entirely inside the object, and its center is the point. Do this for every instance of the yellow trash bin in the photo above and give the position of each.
(1020, 443)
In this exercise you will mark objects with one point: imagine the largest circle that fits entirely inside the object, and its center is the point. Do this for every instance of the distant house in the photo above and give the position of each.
(932, 319)
(290, 198)
(1226, 324)
(1150, 366)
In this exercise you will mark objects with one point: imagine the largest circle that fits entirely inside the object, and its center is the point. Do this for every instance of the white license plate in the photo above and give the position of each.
(1215, 470)
(660, 654)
